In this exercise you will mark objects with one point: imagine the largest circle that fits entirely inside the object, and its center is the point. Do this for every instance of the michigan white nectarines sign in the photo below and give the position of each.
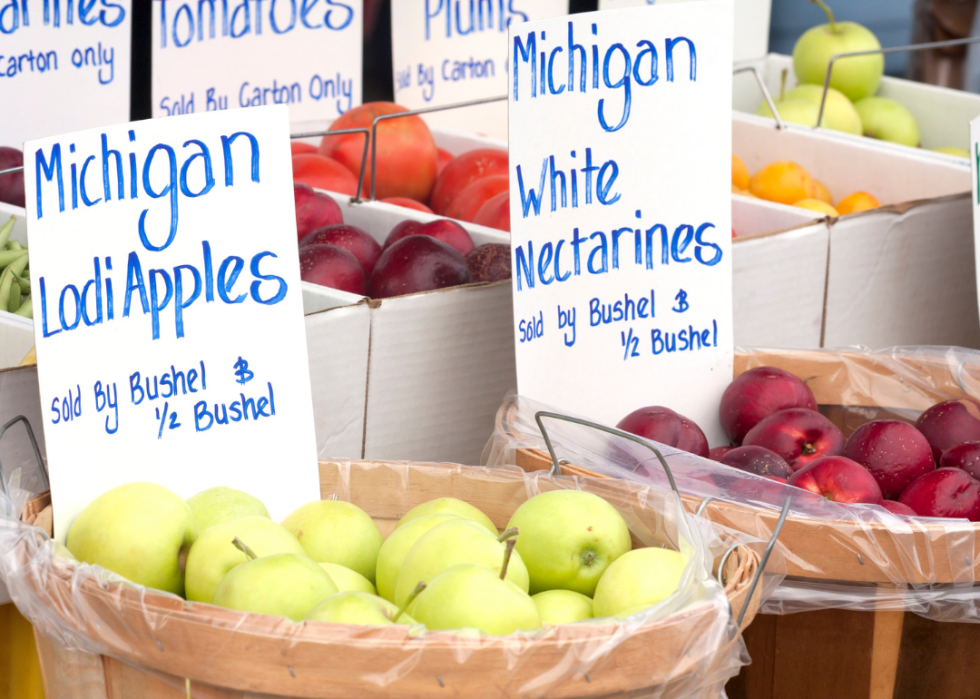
(168, 315)
(620, 206)
(449, 51)
(210, 55)
(64, 66)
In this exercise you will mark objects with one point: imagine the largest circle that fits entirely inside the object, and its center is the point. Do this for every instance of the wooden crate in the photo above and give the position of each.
(225, 653)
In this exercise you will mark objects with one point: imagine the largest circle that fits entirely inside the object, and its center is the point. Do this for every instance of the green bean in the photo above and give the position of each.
(14, 245)
(6, 229)
(26, 310)
(25, 284)
(17, 266)
(8, 256)
(14, 297)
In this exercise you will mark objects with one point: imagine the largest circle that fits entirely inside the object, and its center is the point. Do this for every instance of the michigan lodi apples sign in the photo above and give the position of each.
(620, 146)
(168, 313)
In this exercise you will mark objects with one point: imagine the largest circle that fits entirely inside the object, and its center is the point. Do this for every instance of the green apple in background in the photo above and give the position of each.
(856, 77)
(450, 544)
(641, 578)
(838, 113)
(474, 597)
(396, 547)
(358, 608)
(887, 120)
(568, 538)
(214, 553)
(794, 111)
(138, 531)
(283, 584)
(562, 606)
(450, 506)
(348, 580)
(217, 505)
(953, 150)
(334, 531)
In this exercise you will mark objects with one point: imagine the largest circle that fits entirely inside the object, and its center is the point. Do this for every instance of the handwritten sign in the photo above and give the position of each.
(450, 51)
(210, 55)
(751, 23)
(64, 66)
(168, 312)
(620, 209)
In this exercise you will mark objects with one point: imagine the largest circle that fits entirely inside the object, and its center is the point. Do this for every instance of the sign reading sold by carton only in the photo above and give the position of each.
(620, 206)
(64, 66)
(169, 320)
(210, 55)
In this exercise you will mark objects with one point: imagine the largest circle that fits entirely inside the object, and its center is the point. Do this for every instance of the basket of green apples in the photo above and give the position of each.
(404, 580)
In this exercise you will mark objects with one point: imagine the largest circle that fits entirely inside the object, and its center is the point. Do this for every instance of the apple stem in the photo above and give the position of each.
(830, 15)
(411, 598)
(782, 84)
(511, 543)
(240, 545)
(509, 534)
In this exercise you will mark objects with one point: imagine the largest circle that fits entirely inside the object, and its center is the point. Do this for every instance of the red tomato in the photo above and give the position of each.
(298, 147)
(475, 195)
(467, 168)
(407, 203)
(495, 213)
(443, 159)
(323, 173)
(406, 153)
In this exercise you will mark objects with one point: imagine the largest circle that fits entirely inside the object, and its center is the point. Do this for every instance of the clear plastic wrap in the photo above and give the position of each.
(858, 557)
(686, 646)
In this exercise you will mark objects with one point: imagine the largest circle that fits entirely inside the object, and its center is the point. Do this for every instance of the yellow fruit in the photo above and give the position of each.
(740, 174)
(822, 193)
(952, 150)
(743, 192)
(784, 182)
(818, 206)
(859, 201)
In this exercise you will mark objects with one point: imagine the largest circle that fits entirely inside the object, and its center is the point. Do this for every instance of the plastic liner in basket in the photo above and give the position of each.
(688, 645)
(858, 557)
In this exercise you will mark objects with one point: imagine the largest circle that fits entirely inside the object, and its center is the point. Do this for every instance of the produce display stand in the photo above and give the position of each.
(155, 645)
(881, 650)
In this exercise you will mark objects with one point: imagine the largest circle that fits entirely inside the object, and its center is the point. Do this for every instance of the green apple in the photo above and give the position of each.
(568, 538)
(857, 77)
(450, 506)
(640, 578)
(217, 505)
(214, 553)
(348, 580)
(283, 584)
(396, 547)
(358, 608)
(794, 111)
(334, 531)
(474, 597)
(838, 113)
(562, 606)
(887, 120)
(450, 544)
(953, 150)
(139, 531)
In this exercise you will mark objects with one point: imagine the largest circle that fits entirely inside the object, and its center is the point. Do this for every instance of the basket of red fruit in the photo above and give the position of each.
(154, 597)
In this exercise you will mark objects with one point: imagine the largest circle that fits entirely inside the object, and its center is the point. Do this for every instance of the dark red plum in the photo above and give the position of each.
(328, 265)
(667, 427)
(757, 394)
(359, 243)
(893, 451)
(314, 210)
(417, 263)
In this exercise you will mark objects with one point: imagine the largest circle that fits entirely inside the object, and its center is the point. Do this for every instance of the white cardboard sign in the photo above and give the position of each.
(751, 23)
(621, 211)
(64, 66)
(168, 313)
(210, 55)
(450, 51)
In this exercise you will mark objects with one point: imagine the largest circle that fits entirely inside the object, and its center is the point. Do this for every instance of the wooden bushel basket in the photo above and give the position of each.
(156, 645)
(835, 652)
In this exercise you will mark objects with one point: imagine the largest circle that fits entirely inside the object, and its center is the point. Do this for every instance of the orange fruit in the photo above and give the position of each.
(859, 201)
(784, 182)
(818, 206)
(822, 193)
(740, 174)
(743, 192)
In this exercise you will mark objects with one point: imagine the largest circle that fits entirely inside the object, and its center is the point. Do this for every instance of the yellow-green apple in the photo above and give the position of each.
(214, 553)
(283, 584)
(396, 547)
(562, 606)
(795, 111)
(452, 506)
(139, 531)
(217, 505)
(838, 113)
(568, 538)
(641, 578)
(348, 580)
(334, 531)
(887, 120)
(353, 607)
